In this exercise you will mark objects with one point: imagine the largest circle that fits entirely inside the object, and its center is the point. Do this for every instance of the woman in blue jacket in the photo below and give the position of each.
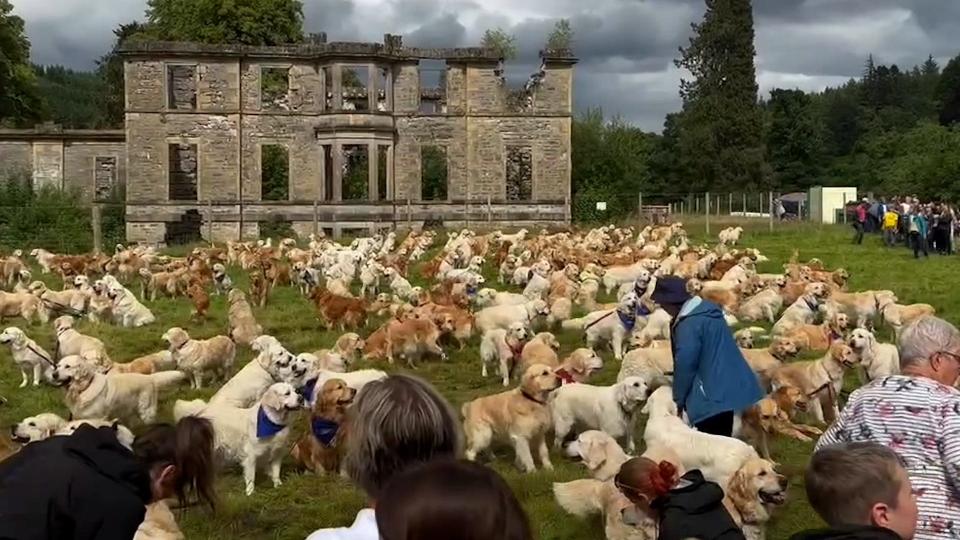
(711, 379)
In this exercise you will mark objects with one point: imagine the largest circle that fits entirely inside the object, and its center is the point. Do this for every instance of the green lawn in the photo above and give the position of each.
(306, 502)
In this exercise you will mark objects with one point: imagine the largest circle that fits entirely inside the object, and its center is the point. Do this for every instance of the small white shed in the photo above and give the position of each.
(827, 203)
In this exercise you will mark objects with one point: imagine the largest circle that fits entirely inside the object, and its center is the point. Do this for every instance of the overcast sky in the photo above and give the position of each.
(626, 47)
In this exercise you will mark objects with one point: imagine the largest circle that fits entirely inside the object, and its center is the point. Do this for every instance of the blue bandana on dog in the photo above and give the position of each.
(642, 310)
(307, 391)
(265, 426)
(627, 319)
(471, 290)
(324, 430)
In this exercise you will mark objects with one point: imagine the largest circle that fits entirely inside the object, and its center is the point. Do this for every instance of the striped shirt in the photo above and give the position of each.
(919, 419)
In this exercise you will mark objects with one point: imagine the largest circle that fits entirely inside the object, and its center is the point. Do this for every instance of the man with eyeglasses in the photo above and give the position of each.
(917, 415)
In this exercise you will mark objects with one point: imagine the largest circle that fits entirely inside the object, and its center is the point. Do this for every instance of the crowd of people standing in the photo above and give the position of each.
(923, 227)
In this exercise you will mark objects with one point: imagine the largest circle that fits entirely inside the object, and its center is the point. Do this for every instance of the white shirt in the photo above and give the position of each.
(919, 419)
(363, 528)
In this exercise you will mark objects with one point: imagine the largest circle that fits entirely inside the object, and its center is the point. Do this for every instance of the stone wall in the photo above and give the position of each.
(16, 158)
(80, 165)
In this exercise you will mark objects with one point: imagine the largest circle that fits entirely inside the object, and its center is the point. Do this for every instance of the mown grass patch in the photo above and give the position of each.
(306, 502)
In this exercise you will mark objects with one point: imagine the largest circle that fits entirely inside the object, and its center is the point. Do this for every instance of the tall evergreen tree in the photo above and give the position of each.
(948, 92)
(793, 141)
(722, 134)
(20, 99)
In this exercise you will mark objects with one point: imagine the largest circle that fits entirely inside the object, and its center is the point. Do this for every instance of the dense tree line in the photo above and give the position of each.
(892, 130)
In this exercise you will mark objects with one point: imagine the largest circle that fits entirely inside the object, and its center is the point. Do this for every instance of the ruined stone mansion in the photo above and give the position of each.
(324, 136)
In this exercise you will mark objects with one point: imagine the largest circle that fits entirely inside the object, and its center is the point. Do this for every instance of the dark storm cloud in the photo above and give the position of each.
(626, 47)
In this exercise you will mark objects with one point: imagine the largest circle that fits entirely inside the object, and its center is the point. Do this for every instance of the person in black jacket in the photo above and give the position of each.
(861, 489)
(685, 506)
(88, 486)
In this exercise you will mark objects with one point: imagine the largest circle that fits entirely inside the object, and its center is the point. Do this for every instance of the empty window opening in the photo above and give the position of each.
(327, 172)
(433, 86)
(382, 156)
(277, 228)
(104, 177)
(183, 172)
(328, 88)
(184, 231)
(519, 173)
(355, 84)
(434, 170)
(182, 88)
(356, 173)
(274, 173)
(383, 89)
(275, 89)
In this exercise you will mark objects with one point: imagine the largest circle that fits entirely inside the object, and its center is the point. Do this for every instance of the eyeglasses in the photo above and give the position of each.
(955, 357)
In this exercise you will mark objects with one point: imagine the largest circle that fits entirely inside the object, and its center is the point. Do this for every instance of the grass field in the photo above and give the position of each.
(307, 502)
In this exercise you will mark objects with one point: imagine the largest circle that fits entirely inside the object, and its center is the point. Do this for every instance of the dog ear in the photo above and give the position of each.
(595, 455)
(272, 399)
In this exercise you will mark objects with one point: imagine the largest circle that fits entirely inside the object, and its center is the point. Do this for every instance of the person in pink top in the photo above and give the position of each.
(861, 221)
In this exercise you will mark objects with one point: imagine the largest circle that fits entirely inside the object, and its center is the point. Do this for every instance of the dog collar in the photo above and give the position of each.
(565, 376)
(471, 291)
(265, 426)
(628, 320)
(813, 307)
(643, 310)
(531, 398)
(324, 430)
(518, 349)
(834, 335)
(308, 388)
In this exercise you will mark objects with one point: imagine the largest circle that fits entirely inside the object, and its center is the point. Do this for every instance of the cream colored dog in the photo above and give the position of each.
(614, 326)
(127, 310)
(251, 437)
(877, 359)
(128, 396)
(28, 356)
(196, 357)
(520, 416)
(70, 342)
(804, 310)
(243, 326)
(494, 317)
(764, 305)
(611, 409)
(504, 347)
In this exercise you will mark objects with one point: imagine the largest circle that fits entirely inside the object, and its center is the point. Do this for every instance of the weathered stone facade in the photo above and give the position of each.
(198, 116)
(228, 102)
(65, 159)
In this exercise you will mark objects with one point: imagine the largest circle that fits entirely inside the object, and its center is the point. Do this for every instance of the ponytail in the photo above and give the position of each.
(645, 476)
(662, 478)
(188, 446)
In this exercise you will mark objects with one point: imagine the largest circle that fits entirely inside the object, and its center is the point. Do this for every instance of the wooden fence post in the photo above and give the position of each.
(409, 217)
(706, 201)
(640, 208)
(770, 209)
(489, 210)
(95, 222)
(316, 218)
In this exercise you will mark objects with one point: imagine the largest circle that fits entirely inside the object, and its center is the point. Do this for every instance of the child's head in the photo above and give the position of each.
(642, 480)
(862, 484)
(454, 500)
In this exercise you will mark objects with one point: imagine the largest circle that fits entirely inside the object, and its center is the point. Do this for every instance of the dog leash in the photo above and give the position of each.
(587, 327)
(41, 355)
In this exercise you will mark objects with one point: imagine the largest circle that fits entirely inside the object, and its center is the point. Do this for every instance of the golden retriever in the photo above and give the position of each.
(196, 357)
(520, 415)
(321, 448)
(820, 380)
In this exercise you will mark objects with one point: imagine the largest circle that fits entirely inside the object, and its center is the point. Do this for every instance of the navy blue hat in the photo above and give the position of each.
(670, 290)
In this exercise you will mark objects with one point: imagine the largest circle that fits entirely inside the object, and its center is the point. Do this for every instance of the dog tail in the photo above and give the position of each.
(574, 324)
(183, 408)
(168, 378)
(581, 498)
